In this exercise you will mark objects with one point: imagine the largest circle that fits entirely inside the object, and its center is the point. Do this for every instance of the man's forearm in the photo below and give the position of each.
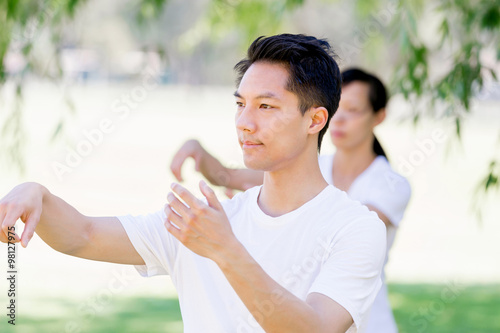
(61, 226)
(273, 307)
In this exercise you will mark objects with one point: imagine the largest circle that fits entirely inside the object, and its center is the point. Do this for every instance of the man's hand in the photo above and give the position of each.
(202, 228)
(23, 202)
(191, 148)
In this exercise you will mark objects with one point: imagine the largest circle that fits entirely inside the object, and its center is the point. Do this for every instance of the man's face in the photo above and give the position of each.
(271, 129)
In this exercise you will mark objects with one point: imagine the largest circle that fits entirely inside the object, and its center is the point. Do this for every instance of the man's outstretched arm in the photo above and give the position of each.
(63, 228)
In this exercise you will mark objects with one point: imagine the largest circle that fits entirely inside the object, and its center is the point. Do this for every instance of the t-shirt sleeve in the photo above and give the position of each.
(157, 247)
(389, 193)
(350, 273)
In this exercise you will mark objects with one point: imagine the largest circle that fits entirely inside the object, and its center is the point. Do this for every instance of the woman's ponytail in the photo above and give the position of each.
(377, 148)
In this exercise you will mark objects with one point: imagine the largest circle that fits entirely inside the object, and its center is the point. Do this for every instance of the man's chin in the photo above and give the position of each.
(253, 165)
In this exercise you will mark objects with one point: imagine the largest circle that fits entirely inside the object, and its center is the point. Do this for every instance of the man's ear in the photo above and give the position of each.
(319, 117)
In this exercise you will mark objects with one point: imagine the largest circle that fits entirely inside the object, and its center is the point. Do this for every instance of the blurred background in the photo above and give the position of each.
(97, 96)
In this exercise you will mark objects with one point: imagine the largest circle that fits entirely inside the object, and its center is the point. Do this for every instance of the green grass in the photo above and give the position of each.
(133, 314)
(417, 308)
(446, 308)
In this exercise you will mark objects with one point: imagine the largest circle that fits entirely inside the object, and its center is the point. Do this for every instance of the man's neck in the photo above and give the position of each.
(288, 189)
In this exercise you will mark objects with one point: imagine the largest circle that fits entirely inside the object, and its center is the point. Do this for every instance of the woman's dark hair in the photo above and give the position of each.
(314, 74)
(377, 95)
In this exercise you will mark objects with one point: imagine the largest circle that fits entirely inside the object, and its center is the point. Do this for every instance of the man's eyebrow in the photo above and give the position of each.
(261, 96)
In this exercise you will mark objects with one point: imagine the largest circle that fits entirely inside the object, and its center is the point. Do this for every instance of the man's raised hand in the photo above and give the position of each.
(22, 202)
(203, 228)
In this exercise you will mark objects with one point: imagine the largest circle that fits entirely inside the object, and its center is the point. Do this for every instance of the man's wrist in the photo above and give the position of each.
(44, 192)
(232, 254)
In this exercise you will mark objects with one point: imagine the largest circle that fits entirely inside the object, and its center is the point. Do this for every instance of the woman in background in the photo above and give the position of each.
(359, 167)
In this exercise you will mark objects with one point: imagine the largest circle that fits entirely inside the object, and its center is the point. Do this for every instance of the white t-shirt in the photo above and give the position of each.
(331, 245)
(381, 187)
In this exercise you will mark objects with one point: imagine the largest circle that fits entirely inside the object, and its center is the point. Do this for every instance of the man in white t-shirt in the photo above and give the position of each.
(293, 255)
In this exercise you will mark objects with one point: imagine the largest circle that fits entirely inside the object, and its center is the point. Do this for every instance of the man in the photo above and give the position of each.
(293, 255)
(359, 167)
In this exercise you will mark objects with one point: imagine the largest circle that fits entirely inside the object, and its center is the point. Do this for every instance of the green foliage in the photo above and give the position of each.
(491, 179)
(149, 9)
(467, 28)
(252, 18)
(24, 21)
(488, 186)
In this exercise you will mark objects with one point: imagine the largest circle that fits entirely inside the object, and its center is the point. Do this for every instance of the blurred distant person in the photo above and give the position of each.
(359, 166)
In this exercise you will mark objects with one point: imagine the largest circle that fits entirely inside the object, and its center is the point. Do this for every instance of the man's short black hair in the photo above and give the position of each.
(314, 74)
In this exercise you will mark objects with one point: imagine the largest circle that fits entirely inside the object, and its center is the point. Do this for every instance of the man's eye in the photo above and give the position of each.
(239, 104)
(265, 106)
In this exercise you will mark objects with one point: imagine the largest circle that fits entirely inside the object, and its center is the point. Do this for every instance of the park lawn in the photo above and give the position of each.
(446, 308)
(417, 308)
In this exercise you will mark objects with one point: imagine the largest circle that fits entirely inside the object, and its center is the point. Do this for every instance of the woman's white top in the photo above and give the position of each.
(381, 187)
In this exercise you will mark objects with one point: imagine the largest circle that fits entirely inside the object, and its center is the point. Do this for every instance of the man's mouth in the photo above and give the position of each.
(250, 144)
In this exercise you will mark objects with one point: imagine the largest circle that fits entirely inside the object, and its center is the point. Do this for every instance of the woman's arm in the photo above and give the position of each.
(213, 170)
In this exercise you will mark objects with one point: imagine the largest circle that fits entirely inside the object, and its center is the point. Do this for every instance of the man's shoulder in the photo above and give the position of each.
(354, 220)
(339, 209)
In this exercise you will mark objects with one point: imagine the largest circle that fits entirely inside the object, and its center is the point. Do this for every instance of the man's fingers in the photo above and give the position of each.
(186, 196)
(29, 228)
(2, 217)
(10, 220)
(3, 235)
(3, 238)
(173, 229)
(173, 216)
(177, 205)
(210, 195)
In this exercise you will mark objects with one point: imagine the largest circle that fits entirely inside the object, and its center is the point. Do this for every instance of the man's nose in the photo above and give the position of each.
(245, 120)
